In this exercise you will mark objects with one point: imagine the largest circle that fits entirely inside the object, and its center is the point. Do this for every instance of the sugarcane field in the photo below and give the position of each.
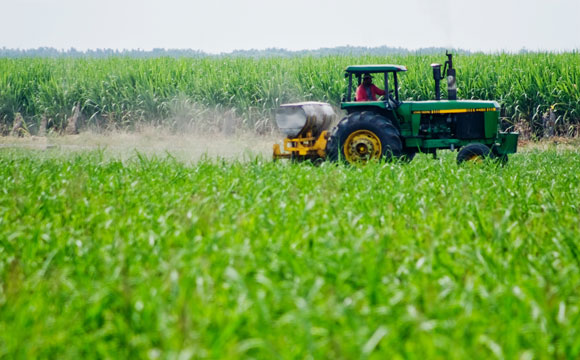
(352, 202)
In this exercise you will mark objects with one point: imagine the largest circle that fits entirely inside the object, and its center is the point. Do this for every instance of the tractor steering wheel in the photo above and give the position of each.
(391, 99)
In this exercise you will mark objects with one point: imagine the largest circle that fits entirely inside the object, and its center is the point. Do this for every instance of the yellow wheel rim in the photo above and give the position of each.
(474, 158)
(362, 145)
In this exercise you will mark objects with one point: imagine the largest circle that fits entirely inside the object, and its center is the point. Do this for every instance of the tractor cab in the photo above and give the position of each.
(386, 73)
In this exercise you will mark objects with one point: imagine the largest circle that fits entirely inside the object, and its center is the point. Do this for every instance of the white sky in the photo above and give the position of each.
(216, 26)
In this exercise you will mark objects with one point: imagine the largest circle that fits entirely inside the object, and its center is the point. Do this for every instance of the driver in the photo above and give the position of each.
(367, 91)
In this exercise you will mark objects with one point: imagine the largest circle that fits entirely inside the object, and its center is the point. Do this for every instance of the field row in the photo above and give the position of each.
(155, 258)
(206, 93)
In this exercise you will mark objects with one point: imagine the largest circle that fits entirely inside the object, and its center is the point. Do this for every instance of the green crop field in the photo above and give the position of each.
(123, 92)
(151, 257)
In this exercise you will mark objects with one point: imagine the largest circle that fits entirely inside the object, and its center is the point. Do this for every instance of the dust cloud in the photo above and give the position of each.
(188, 147)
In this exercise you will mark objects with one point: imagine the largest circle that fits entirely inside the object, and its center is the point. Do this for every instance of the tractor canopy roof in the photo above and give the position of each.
(360, 69)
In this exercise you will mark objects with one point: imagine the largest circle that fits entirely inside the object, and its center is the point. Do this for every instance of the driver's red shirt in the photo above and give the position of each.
(361, 94)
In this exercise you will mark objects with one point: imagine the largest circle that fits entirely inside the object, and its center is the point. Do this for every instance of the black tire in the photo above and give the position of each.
(502, 159)
(364, 130)
(408, 155)
(474, 152)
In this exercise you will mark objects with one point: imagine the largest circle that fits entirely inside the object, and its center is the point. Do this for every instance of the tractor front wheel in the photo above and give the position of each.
(501, 158)
(364, 136)
(474, 153)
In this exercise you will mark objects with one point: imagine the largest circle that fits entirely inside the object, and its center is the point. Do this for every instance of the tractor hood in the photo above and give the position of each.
(453, 105)
(446, 107)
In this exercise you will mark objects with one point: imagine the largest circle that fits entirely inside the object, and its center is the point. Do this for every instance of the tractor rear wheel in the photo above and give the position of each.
(474, 153)
(364, 136)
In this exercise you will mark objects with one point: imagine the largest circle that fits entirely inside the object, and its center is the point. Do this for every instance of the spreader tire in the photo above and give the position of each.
(364, 136)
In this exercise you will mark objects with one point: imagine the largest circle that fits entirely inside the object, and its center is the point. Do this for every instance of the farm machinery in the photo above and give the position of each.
(387, 128)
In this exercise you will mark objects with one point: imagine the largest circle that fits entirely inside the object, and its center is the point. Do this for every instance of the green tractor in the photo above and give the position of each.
(388, 128)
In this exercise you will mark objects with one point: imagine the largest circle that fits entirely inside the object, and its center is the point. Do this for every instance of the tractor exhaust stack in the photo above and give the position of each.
(451, 84)
(449, 71)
